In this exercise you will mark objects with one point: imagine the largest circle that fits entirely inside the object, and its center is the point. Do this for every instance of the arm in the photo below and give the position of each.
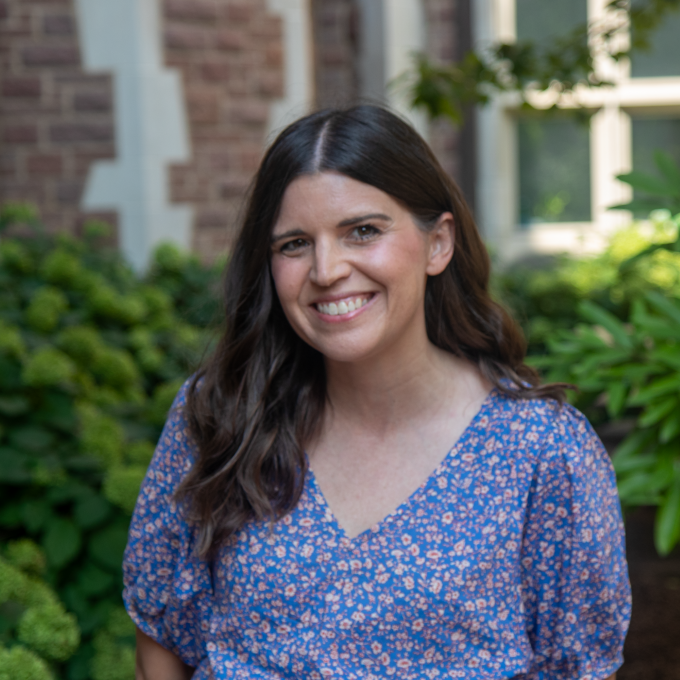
(157, 663)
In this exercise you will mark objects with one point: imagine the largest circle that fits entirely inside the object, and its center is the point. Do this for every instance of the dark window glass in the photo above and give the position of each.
(544, 20)
(650, 134)
(554, 170)
(663, 57)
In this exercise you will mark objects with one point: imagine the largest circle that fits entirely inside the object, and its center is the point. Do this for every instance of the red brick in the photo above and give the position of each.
(235, 186)
(274, 55)
(191, 10)
(203, 107)
(8, 167)
(83, 161)
(185, 37)
(216, 71)
(21, 87)
(239, 12)
(81, 132)
(51, 55)
(59, 24)
(231, 40)
(20, 134)
(250, 112)
(212, 217)
(44, 164)
(92, 101)
(70, 191)
(270, 84)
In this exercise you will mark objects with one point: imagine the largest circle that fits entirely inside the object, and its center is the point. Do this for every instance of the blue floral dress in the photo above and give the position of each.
(507, 562)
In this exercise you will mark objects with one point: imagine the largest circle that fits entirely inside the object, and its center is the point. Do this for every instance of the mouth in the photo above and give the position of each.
(343, 306)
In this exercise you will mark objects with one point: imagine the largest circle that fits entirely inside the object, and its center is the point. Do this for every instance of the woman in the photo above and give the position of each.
(365, 480)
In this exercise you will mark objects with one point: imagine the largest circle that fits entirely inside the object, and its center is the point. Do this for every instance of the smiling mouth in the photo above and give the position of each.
(342, 306)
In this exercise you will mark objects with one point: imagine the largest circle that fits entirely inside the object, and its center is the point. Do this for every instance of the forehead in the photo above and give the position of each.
(329, 197)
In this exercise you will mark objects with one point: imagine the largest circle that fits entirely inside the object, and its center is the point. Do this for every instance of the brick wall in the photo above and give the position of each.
(55, 120)
(336, 35)
(230, 55)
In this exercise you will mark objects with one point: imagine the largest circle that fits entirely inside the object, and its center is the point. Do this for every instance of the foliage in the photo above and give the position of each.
(632, 370)
(611, 326)
(36, 632)
(662, 191)
(524, 67)
(91, 356)
(639, 258)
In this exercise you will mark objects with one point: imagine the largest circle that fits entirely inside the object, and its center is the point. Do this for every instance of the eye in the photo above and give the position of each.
(365, 232)
(294, 246)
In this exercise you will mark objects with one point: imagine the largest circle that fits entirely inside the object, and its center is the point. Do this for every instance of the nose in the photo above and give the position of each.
(329, 264)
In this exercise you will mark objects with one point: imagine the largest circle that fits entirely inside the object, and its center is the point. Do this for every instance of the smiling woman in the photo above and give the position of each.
(365, 479)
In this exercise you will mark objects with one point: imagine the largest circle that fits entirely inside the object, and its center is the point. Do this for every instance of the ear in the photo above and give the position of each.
(442, 241)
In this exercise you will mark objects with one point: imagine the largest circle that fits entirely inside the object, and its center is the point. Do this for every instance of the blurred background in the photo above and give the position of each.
(130, 131)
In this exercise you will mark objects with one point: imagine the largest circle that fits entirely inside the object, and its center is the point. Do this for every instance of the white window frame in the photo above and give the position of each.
(610, 148)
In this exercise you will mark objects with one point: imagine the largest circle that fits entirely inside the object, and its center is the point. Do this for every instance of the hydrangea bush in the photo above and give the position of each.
(91, 356)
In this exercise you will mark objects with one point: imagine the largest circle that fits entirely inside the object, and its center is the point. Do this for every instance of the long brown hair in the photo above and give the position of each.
(260, 396)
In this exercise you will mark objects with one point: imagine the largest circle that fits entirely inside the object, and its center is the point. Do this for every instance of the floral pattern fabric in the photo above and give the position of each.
(508, 562)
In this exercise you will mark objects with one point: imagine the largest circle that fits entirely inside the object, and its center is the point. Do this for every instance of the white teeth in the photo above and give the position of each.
(333, 309)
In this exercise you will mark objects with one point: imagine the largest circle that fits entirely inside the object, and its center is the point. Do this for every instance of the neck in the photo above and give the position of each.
(393, 387)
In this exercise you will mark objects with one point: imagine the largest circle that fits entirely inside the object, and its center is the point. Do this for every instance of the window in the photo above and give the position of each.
(545, 181)
(544, 20)
(554, 170)
(663, 57)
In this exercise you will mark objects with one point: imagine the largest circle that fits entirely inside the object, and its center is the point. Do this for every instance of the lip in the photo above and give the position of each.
(328, 318)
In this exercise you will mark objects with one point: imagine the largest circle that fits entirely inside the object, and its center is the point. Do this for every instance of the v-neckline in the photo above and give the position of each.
(378, 527)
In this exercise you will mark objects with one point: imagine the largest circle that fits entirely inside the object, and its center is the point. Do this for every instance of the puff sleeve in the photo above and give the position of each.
(575, 588)
(167, 589)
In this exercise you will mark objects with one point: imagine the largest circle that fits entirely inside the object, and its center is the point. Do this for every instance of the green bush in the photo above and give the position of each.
(626, 364)
(91, 356)
(36, 632)
(545, 299)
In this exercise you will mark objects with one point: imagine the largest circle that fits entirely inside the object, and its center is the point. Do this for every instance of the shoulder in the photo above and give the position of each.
(548, 438)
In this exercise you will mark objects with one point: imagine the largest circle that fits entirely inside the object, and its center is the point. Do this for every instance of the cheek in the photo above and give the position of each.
(288, 275)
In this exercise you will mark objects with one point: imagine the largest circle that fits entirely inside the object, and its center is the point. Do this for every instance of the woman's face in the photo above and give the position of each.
(350, 266)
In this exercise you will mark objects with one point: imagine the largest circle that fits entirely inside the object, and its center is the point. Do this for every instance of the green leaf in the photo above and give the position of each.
(664, 305)
(670, 356)
(648, 183)
(14, 406)
(35, 514)
(92, 580)
(633, 464)
(616, 398)
(14, 466)
(668, 168)
(598, 315)
(61, 541)
(91, 510)
(35, 439)
(667, 525)
(107, 547)
(657, 388)
(670, 428)
(656, 412)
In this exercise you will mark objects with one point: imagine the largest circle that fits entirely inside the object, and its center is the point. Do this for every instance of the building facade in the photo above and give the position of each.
(154, 114)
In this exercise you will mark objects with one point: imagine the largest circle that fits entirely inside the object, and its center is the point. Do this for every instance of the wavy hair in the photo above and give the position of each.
(260, 396)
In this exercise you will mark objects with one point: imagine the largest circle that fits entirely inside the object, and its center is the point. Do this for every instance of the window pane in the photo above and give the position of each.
(543, 20)
(554, 170)
(663, 58)
(650, 134)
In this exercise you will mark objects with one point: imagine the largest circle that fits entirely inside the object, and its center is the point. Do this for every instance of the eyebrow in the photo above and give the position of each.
(345, 223)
